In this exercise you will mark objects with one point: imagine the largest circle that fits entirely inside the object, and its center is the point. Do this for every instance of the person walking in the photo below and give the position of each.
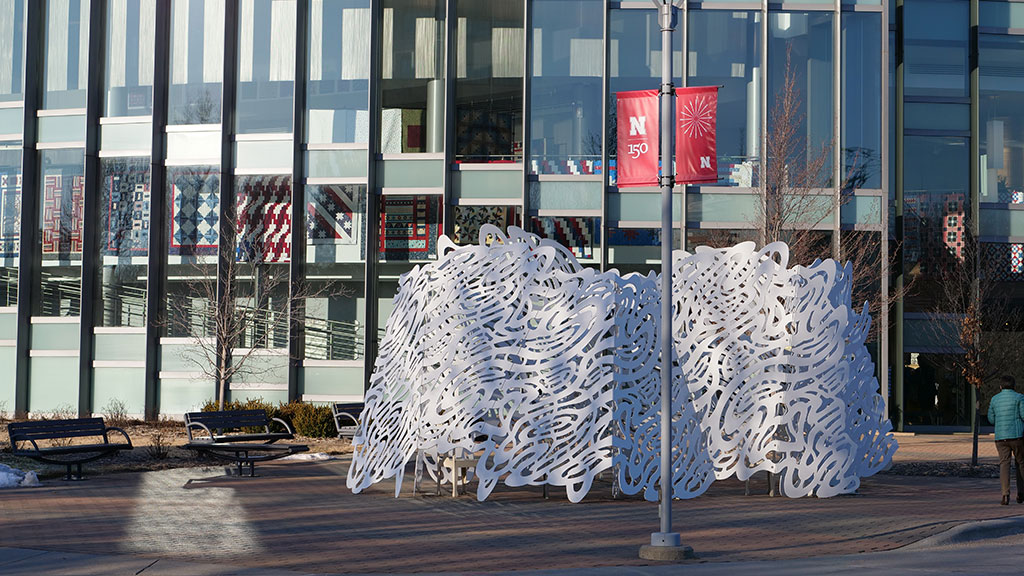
(1006, 412)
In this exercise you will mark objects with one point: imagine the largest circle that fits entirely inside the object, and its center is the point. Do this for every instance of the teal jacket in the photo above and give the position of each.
(1006, 411)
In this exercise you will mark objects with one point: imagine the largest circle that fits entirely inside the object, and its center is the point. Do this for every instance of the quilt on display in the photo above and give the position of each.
(195, 214)
(469, 219)
(409, 227)
(126, 216)
(548, 372)
(264, 219)
(580, 235)
(10, 215)
(63, 206)
(335, 214)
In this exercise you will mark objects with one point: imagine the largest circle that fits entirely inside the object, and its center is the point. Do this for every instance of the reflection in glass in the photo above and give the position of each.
(489, 81)
(130, 46)
(194, 207)
(197, 61)
(718, 237)
(861, 123)
(66, 61)
(124, 244)
(634, 61)
(935, 210)
(580, 235)
(1001, 60)
(266, 66)
(800, 46)
(10, 225)
(565, 92)
(337, 89)
(61, 212)
(409, 227)
(12, 50)
(934, 392)
(469, 219)
(412, 76)
(725, 51)
(935, 48)
(637, 249)
(335, 251)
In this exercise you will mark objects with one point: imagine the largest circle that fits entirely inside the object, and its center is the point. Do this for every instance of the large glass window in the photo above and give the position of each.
(12, 51)
(800, 137)
(197, 61)
(861, 138)
(410, 227)
(337, 93)
(634, 62)
(565, 93)
(935, 48)
(10, 225)
(489, 57)
(66, 62)
(124, 244)
(725, 51)
(266, 66)
(469, 219)
(131, 45)
(61, 215)
(412, 76)
(935, 211)
(580, 235)
(194, 229)
(1002, 118)
(335, 253)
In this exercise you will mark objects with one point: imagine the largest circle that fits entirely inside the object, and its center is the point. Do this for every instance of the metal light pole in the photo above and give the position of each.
(666, 544)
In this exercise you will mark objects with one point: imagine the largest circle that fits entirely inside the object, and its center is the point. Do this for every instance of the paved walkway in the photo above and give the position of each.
(298, 516)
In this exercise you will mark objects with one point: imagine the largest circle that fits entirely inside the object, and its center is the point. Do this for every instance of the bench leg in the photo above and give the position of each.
(78, 474)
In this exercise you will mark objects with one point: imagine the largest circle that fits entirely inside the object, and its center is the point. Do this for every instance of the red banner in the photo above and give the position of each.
(637, 137)
(696, 115)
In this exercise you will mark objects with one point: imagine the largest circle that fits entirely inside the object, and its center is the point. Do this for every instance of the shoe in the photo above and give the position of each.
(1006, 500)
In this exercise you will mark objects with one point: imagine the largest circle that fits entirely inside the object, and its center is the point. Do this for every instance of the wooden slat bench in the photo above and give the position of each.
(27, 436)
(346, 417)
(220, 435)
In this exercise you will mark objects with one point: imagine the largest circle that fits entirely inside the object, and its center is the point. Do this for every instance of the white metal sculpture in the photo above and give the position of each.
(547, 370)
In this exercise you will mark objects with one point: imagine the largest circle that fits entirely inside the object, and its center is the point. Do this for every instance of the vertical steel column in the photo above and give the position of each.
(28, 242)
(684, 189)
(527, 73)
(450, 118)
(297, 264)
(91, 297)
(605, 96)
(883, 321)
(156, 277)
(896, 355)
(837, 134)
(372, 196)
(226, 232)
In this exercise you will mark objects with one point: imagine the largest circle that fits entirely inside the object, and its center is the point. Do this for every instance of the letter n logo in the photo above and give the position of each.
(705, 162)
(638, 125)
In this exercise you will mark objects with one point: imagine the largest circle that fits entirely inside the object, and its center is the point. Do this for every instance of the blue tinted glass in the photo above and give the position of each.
(61, 216)
(124, 244)
(66, 60)
(266, 66)
(197, 62)
(12, 50)
(1001, 60)
(10, 225)
(130, 47)
(566, 72)
(935, 48)
(337, 88)
(861, 139)
(725, 50)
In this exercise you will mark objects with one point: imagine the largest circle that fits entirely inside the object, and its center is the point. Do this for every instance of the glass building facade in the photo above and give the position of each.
(314, 150)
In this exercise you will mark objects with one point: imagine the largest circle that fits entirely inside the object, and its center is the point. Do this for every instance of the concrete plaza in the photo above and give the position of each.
(298, 517)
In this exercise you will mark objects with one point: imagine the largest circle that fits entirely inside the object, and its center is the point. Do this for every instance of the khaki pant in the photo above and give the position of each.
(1006, 448)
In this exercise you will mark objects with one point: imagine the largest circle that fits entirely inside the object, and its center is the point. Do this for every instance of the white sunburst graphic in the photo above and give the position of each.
(697, 117)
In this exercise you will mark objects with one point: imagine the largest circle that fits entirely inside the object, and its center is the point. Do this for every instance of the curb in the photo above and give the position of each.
(971, 532)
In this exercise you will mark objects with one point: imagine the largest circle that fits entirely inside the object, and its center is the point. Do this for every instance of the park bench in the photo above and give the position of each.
(228, 435)
(346, 417)
(58, 437)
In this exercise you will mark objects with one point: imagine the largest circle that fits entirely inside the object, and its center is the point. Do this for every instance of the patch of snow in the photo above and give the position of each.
(13, 478)
(315, 457)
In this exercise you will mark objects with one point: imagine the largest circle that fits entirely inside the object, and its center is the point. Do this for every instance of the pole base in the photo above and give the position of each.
(666, 546)
(667, 553)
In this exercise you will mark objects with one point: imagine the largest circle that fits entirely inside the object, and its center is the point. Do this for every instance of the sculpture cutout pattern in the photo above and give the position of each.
(550, 372)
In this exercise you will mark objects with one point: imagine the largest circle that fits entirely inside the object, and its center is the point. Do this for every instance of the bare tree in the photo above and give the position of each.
(233, 319)
(972, 319)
